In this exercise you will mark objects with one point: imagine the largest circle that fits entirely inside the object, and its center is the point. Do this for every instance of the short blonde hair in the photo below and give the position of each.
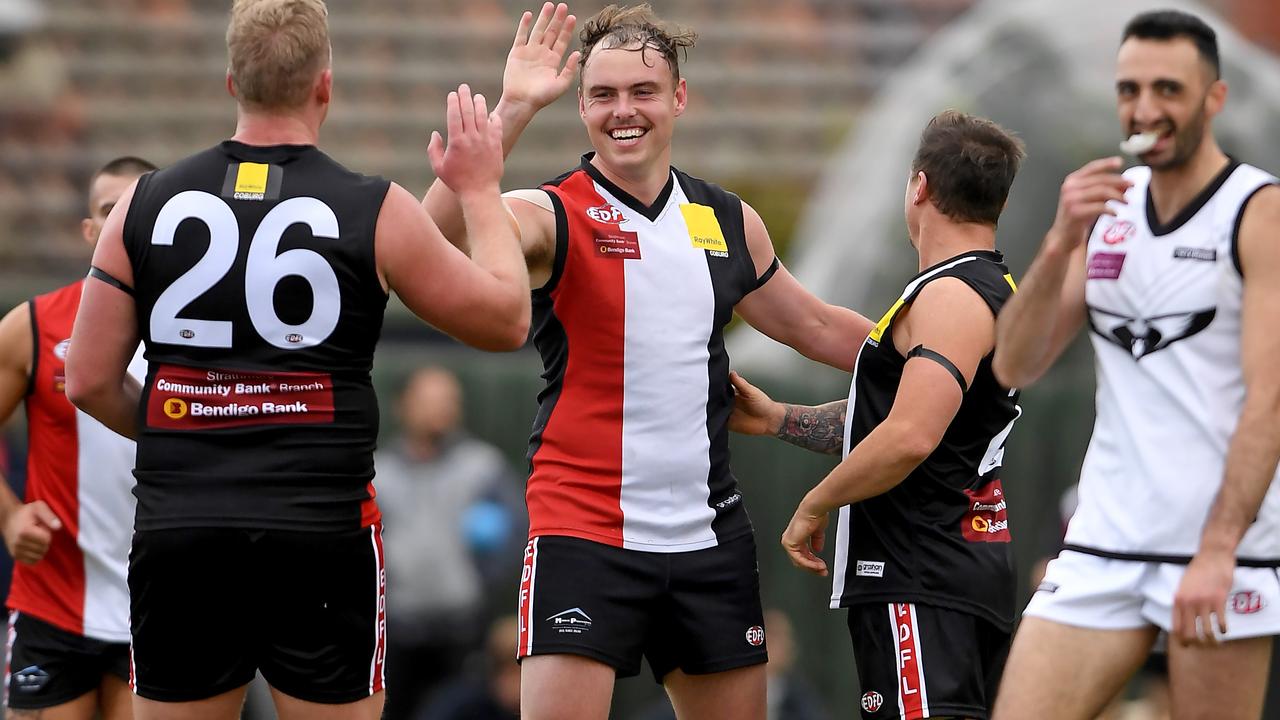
(275, 48)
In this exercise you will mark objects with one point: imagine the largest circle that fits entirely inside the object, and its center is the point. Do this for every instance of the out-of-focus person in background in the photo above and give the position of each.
(68, 649)
(257, 272)
(492, 690)
(640, 544)
(1174, 264)
(455, 523)
(923, 560)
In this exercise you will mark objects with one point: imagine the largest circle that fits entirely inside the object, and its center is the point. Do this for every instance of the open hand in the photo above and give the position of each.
(536, 72)
(473, 159)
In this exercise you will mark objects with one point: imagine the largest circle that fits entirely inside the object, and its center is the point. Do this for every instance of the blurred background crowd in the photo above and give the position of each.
(808, 109)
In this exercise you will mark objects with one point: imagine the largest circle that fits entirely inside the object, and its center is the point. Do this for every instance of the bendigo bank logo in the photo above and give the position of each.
(175, 408)
(987, 516)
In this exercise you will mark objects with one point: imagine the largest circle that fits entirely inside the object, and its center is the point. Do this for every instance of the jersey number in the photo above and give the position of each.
(264, 269)
(994, 456)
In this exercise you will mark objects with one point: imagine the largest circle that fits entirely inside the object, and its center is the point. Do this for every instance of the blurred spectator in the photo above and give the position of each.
(455, 526)
(790, 695)
(491, 694)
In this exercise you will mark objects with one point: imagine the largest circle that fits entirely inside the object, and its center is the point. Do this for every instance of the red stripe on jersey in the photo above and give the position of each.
(369, 512)
(910, 672)
(378, 670)
(576, 482)
(53, 589)
(524, 631)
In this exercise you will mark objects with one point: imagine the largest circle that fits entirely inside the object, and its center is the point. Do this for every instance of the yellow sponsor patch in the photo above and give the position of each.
(252, 178)
(878, 331)
(704, 229)
(1009, 279)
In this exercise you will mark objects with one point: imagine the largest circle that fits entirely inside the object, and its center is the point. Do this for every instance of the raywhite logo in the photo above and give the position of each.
(867, 568)
(573, 621)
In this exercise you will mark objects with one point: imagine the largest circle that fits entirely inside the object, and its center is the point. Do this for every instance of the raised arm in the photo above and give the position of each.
(948, 318)
(535, 75)
(482, 301)
(1041, 319)
(785, 311)
(28, 527)
(105, 336)
(1255, 447)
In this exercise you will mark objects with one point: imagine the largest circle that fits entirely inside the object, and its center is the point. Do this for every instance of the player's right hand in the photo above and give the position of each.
(28, 530)
(1084, 197)
(472, 160)
(534, 76)
(754, 412)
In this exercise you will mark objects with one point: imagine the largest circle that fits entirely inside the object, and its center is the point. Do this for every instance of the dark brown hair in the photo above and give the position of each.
(970, 163)
(636, 28)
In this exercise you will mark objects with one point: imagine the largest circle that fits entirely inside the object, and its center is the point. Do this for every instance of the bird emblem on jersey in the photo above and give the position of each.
(1143, 336)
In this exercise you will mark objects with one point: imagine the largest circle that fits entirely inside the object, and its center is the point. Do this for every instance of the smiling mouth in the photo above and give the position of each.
(628, 135)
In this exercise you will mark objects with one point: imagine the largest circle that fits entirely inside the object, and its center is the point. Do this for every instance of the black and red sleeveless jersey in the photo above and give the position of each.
(941, 537)
(259, 303)
(630, 444)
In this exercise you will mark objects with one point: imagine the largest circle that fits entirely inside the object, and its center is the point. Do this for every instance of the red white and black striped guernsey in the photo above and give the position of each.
(630, 444)
(84, 472)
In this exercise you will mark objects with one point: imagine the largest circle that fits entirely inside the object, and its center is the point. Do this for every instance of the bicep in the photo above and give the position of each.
(16, 343)
(105, 335)
(535, 220)
(1260, 263)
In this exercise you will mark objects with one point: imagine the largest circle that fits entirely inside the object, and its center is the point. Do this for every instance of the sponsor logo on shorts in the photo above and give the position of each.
(571, 622)
(987, 519)
(872, 701)
(755, 636)
(30, 679)
(1190, 253)
(1247, 602)
(869, 568)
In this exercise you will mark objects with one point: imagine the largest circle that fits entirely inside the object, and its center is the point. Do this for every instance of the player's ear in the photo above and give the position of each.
(682, 96)
(1216, 98)
(86, 231)
(921, 191)
(231, 85)
(324, 86)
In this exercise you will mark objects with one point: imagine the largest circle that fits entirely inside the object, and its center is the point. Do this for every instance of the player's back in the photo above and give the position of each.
(259, 302)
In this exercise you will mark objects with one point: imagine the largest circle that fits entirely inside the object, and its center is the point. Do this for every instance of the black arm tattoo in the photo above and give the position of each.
(820, 429)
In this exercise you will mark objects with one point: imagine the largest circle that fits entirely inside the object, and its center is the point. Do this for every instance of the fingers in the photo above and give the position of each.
(565, 36)
(435, 151)
(480, 113)
(802, 557)
(540, 26)
(522, 30)
(32, 545)
(1102, 165)
(570, 67)
(741, 386)
(452, 115)
(466, 109)
(45, 516)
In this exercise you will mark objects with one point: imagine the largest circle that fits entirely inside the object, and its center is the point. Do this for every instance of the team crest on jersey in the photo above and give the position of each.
(1142, 336)
(1118, 232)
(606, 213)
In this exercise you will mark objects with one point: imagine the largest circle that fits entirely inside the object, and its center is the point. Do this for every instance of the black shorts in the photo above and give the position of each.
(698, 611)
(917, 661)
(212, 605)
(49, 666)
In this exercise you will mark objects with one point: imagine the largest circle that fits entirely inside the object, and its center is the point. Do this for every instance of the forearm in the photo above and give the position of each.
(877, 465)
(839, 338)
(1025, 327)
(496, 249)
(441, 202)
(1251, 465)
(116, 406)
(820, 428)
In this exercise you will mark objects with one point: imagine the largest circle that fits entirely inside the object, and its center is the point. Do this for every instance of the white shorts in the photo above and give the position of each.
(1105, 594)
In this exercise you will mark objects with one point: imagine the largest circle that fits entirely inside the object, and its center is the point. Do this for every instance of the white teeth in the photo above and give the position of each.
(626, 134)
(1139, 143)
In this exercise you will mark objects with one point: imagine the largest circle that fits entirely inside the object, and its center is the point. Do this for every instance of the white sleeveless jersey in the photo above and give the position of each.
(1164, 307)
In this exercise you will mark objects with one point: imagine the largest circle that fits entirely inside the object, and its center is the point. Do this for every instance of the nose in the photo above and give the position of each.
(623, 108)
(1146, 111)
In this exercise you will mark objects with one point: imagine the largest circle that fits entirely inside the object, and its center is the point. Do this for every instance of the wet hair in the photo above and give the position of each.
(636, 28)
(970, 163)
(274, 50)
(1171, 24)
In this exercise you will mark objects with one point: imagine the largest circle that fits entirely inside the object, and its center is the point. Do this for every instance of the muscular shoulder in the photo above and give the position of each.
(16, 340)
(1257, 241)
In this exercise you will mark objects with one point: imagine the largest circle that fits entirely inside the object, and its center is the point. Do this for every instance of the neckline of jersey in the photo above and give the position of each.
(1184, 216)
(651, 212)
(994, 256)
(262, 153)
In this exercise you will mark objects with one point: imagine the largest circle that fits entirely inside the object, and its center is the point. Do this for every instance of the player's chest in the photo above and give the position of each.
(1129, 268)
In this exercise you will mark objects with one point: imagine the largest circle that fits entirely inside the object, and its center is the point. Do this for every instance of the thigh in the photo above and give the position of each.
(737, 694)
(565, 687)
(1252, 608)
(917, 661)
(292, 708)
(712, 619)
(192, 600)
(324, 619)
(584, 598)
(51, 668)
(1064, 672)
(223, 706)
(1228, 680)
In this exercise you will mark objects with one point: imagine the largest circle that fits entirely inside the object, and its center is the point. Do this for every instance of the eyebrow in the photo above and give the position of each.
(645, 85)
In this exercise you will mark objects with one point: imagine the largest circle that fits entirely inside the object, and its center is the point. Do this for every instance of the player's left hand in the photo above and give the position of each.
(472, 159)
(1199, 606)
(804, 538)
